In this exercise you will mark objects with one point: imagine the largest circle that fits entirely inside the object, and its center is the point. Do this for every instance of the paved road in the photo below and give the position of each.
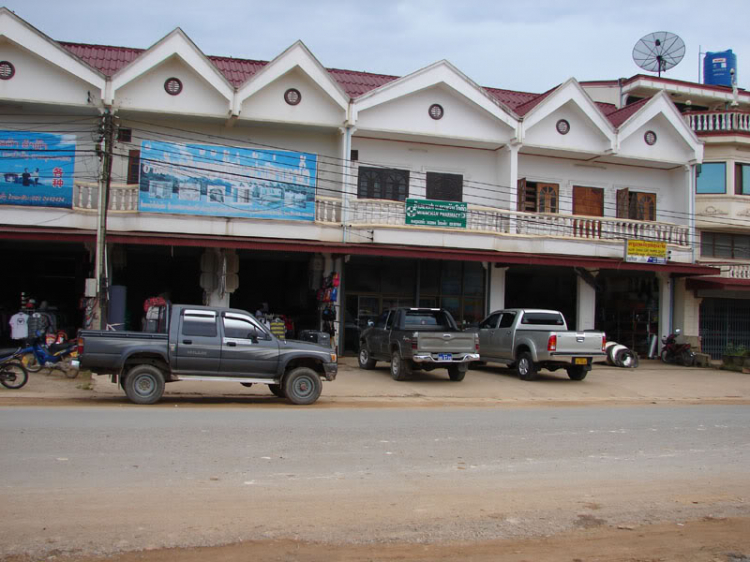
(102, 479)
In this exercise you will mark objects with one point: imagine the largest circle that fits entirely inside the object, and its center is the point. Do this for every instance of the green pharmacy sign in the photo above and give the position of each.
(424, 212)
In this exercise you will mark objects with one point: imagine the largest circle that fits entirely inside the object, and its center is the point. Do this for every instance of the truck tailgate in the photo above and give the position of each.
(579, 343)
(446, 342)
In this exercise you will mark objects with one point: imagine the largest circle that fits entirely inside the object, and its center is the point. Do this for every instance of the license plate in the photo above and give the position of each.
(580, 361)
(445, 357)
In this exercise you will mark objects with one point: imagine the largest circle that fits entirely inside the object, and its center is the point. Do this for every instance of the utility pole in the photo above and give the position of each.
(102, 282)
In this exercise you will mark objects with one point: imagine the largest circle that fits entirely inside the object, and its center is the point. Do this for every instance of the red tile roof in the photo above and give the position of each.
(621, 115)
(109, 59)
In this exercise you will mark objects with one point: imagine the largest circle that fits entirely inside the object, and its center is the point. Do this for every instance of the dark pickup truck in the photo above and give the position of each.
(418, 339)
(207, 344)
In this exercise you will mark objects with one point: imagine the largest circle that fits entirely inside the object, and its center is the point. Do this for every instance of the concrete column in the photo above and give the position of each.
(687, 312)
(665, 305)
(585, 305)
(497, 287)
(507, 176)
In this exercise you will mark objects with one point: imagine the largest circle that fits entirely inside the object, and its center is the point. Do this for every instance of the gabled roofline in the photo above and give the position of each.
(296, 55)
(650, 109)
(57, 54)
(427, 77)
(161, 51)
(557, 99)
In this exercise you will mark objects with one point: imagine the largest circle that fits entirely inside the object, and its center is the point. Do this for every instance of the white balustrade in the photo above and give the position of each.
(719, 121)
(122, 197)
(739, 271)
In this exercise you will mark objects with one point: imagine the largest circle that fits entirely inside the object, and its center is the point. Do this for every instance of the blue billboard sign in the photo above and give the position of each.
(196, 179)
(36, 169)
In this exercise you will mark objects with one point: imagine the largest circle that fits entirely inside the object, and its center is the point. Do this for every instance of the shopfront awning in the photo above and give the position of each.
(385, 250)
(718, 283)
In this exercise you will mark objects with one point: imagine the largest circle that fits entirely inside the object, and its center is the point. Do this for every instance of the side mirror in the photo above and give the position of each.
(677, 332)
(253, 335)
(370, 323)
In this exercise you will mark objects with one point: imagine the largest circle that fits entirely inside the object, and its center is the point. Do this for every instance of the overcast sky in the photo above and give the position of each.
(528, 45)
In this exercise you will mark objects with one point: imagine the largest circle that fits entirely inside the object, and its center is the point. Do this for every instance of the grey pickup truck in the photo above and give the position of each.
(529, 340)
(418, 338)
(207, 344)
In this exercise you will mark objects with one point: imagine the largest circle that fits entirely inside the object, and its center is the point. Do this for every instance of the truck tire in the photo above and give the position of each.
(577, 373)
(302, 386)
(364, 358)
(400, 369)
(457, 372)
(144, 384)
(277, 390)
(525, 367)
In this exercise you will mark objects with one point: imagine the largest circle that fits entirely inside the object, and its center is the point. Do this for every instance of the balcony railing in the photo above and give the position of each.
(707, 122)
(380, 212)
(739, 271)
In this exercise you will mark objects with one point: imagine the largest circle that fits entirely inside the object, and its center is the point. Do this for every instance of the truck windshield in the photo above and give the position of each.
(543, 318)
(427, 320)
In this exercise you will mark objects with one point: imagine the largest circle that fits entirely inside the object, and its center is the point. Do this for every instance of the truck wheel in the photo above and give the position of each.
(277, 390)
(577, 373)
(302, 386)
(365, 359)
(525, 367)
(457, 372)
(400, 369)
(144, 384)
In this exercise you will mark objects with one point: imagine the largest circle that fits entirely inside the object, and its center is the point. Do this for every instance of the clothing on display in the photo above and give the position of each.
(19, 326)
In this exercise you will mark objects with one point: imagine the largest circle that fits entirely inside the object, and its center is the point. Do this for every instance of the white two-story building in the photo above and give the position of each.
(246, 182)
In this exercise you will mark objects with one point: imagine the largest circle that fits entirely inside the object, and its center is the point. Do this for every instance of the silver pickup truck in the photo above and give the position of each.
(529, 340)
(418, 339)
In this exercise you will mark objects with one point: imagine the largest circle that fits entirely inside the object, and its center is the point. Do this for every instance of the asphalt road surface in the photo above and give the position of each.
(100, 481)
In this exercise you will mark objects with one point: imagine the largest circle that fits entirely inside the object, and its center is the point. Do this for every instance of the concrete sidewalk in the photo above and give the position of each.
(652, 381)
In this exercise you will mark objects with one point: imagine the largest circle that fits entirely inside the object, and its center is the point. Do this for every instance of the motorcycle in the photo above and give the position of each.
(674, 352)
(55, 356)
(13, 374)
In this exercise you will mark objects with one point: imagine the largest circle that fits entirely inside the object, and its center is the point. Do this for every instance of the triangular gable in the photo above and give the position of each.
(568, 92)
(176, 43)
(21, 33)
(441, 72)
(661, 104)
(296, 56)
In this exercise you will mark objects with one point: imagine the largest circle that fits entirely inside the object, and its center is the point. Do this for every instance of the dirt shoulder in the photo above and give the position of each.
(653, 382)
(706, 540)
(489, 386)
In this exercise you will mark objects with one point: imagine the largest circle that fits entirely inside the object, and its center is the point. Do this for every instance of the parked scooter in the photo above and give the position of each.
(55, 356)
(674, 352)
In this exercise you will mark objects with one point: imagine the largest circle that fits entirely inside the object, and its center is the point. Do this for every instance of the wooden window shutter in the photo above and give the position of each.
(134, 166)
(521, 194)
(623, 203)
(444, 187)
(645, 206)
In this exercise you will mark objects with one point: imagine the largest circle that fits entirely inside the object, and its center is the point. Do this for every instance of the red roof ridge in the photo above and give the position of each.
(619, 117)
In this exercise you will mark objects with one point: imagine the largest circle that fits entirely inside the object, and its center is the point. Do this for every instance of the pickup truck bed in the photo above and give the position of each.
(418, 338)
(531, 339)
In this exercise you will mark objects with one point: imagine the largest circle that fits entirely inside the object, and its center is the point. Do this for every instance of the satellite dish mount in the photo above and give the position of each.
(659, 51)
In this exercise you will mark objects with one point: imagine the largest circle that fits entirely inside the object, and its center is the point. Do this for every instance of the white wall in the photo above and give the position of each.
(462, 118)
(147, 92)
(669, 145)
(480, 168)
(583, 136)
(38, 80)
(315, 108)
(668, 185)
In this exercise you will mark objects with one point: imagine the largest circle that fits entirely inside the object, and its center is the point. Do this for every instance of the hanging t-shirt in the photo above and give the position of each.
(19, 326)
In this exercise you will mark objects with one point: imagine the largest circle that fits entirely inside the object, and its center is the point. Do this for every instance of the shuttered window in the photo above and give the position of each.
(445, 187)
(636, 205)
(534, 197)
(383, 183)
(134, 166)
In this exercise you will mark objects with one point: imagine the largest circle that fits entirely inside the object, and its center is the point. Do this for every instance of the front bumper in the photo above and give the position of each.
(432, 358)
(331, 370)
